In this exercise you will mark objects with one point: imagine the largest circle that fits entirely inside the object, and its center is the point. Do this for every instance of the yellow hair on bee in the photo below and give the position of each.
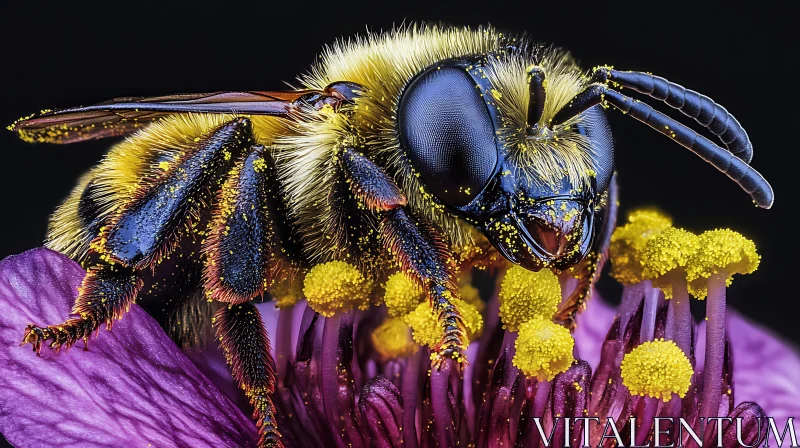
(545, 157)
(66, 232)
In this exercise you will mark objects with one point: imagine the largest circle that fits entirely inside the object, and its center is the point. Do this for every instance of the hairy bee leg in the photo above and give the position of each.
(422, 252)
(244, 341)
(589, 269)
(369, 183)
(244, 238)
(147, 229)
(106, 293)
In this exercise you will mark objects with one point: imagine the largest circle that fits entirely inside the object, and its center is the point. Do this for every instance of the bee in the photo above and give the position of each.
(425, 149)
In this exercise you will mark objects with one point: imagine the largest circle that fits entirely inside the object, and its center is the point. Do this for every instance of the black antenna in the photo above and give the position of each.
(537, 95)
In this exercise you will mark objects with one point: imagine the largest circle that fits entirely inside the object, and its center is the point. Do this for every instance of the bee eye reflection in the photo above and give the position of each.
(447, 134)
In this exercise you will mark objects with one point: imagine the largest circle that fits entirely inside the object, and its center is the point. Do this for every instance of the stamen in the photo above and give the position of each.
(402, 294)
(628, 241)
(392, 339)
(426, 329)
(525, 294)
(665, 258)
(336, 286)
(657, 369)
(722, 254)
(543, 349)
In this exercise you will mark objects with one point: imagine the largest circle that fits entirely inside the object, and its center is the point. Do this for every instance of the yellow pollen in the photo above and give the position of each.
(336, 286)
(628, 241)
(667, 254)
(544, 349)
(526, 294)
(657, 369)
(402, 294)
(286, 292)
(392, 339)
(426, 328)
(722, 252)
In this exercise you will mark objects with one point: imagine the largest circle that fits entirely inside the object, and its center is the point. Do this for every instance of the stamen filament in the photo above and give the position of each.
(715, 345)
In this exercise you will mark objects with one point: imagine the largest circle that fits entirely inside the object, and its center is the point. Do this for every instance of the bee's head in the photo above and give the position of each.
(475, 132)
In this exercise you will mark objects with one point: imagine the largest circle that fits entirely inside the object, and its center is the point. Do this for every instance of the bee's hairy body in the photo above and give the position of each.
(228, 205)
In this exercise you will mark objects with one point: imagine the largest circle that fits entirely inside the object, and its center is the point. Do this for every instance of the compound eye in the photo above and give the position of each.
(448, 135)
(594, 126)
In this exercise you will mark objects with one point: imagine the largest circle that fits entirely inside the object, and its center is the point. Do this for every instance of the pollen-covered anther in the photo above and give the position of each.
(428, 331)
(666, 255)
(336, 286)
(657, 369)
(525, 294)
(722, 252)
(543, 349)
(628, 242)
(392, 339)
(402, 294)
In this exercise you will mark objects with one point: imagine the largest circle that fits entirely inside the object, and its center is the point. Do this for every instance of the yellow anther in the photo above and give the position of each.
(286, 292)
(667, 254)
(426, 328)
(657, 369)
(628, 241)
(402, 294)
(525, 294)
(336, 286)
(392, 339)
(722, 252)
(544, 349)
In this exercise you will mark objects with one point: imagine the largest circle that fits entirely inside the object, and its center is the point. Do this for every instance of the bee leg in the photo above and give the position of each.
(423, 253)
(242, 250)
(419, 247)
(107, 292)
(244, 341)
(161, 214)
(588, 270)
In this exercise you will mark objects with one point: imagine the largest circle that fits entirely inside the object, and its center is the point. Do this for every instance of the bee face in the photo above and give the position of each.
(467, 150)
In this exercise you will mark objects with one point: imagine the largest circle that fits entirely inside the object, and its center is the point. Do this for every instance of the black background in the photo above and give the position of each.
(73, 53)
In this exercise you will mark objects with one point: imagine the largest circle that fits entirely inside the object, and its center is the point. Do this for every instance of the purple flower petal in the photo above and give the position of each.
(593, 325)
(381, 407)
(133, 387)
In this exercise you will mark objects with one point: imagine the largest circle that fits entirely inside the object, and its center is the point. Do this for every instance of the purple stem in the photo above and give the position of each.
(540, 399)
(443, 418)
(410, 397)
(682, 315)
(650, 309)
(715, 347)
(283, 343)
(650, 409)
(631, 296)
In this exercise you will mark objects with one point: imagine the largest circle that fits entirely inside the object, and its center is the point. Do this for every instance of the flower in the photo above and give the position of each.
(356, 377)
